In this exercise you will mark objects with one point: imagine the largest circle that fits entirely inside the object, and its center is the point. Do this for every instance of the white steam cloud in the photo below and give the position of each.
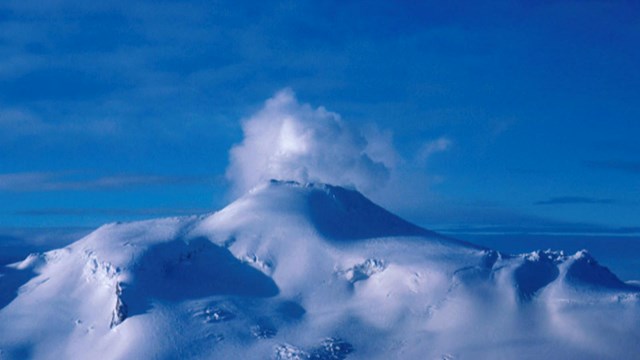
(287, 140)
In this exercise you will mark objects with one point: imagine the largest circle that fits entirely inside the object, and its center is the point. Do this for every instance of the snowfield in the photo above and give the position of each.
(293, 271)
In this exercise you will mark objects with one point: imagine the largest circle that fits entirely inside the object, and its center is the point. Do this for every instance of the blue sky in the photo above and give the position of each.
(514, 116)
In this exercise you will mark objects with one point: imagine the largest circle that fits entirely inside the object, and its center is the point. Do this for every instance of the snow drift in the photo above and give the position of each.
(308, 271)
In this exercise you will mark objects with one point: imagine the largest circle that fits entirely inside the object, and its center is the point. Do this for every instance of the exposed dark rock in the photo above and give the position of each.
(120, 311)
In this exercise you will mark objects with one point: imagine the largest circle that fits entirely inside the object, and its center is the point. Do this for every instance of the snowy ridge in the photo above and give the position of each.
(313, 271)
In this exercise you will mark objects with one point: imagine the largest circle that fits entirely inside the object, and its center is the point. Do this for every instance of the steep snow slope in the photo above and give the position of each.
(294, 271)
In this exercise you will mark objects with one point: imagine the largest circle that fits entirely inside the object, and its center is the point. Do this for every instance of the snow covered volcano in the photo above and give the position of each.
(293, 271)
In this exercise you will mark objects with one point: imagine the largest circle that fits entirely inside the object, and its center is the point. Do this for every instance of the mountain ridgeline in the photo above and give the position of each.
(308, 271)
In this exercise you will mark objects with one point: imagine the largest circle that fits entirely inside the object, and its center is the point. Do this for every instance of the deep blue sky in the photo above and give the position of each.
(121, 110)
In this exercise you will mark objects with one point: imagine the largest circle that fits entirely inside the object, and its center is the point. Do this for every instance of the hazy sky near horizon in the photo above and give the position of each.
(519, 115)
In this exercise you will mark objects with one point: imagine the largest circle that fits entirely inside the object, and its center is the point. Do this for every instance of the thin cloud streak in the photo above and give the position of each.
(60, 181)
(112, 212)
(17, 122)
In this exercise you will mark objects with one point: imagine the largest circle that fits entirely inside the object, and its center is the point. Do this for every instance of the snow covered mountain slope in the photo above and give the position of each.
(294, 271)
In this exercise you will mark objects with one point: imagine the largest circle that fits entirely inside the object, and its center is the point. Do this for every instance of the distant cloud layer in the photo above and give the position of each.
(631, 167)
(289, 140)
(561, 200)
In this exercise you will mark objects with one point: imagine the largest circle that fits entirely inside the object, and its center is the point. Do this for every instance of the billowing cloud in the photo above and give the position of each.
(288, 140)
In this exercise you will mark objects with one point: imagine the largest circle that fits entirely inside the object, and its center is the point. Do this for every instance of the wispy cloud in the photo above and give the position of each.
(429, 148)
(58, 181)
(631, 167)
(566, 200)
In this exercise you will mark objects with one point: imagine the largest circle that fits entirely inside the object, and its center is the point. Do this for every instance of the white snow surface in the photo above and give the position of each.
(292, 271)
